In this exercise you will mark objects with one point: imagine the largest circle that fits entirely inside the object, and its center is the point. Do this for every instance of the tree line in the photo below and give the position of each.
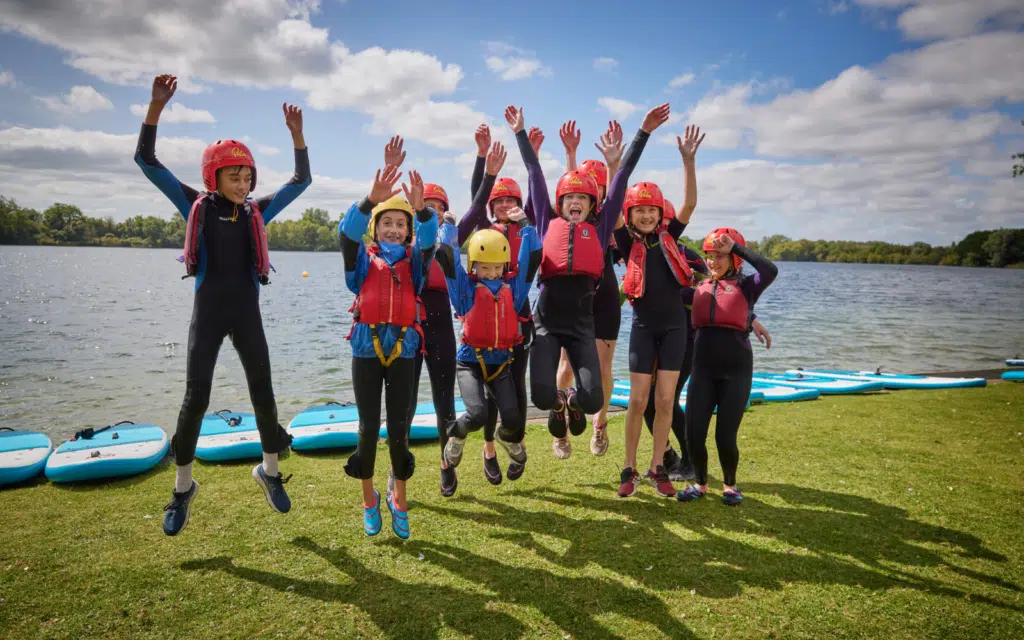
(315, 230)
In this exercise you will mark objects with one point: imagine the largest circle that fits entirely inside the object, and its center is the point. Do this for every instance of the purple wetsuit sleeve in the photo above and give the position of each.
(476, 217)
(540, 200)
(754, 286)
(617, 189)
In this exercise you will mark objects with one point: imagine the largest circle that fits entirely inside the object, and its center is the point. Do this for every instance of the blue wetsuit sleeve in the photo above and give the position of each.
(180, 194)
(460, 289)
(476, 217)
(273, 204)
(617, 189)
(522, 282)
(754, 286)
(540, 199)
(426, 243)
(351, 231)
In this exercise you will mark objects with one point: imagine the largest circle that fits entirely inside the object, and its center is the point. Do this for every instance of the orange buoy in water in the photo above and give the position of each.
(305, 274)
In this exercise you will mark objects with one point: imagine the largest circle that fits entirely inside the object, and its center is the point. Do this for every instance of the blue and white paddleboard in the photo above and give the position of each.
(227, 435)
(23, 455)
(326, 426)
(124, 449)
(896, 380)
(1015, 362)
(774, 392)
(1015, 376)
(824, 385)
(620, 395)
(424, 421)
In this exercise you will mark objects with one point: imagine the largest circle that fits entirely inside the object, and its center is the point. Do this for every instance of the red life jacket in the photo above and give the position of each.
(720, 303)
(492, 322)
(388, 295)
(634, 283)
(571, 249)
(512, 233)
(435, 279)
(194, 232)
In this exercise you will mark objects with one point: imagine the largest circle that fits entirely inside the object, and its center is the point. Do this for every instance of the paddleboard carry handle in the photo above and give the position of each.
(6, 429)
(340, 404)
(87, 434)
(233, 421)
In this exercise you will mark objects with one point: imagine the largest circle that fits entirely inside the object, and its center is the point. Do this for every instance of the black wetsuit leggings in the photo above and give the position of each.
(216, 314)
(723, 365)
(439, 340)
(479, 396)
(519, 364)
(582, 353)
(678, 415)
(369, 378)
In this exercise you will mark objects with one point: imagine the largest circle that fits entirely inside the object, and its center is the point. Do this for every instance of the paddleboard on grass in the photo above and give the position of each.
(424, 421)
(1015, 362)
(226, 435)
(620, 395)
(123, 449)
(781, 393)
(1014, 376)
(895, 380)
(824, 385)
(327, 426)
(23, 455)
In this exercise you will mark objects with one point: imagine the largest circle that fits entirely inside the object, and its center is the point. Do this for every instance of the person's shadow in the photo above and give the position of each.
(400, 609)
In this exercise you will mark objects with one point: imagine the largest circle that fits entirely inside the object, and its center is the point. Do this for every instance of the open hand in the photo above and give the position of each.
(514, 117)
(536, 137)
(384, 185)
(655, 118)
(570, 136)
(293, 118)
(483, 140)
(689, 144)
(164, 87)
(496, 159)
(414, 191)
(610, 147)
(393, 154)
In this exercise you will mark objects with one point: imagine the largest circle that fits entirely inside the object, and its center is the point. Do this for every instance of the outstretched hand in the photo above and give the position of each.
(483, 140)
(293, 118)
(536, 137)
(570, 136)
(414, 191)
(610, 145)
(496, 159)
(514, 117)
(384, 185)
(690, 143)
(655, 118)
(164, 87)
(393, 154)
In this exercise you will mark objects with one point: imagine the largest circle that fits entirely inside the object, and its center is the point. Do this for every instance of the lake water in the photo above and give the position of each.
(91, 336)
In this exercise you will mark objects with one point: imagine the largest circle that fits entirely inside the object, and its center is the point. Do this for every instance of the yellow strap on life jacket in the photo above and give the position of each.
(483, 366)
(396, 351)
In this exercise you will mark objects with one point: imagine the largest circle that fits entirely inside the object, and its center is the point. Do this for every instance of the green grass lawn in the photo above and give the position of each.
(893, 516)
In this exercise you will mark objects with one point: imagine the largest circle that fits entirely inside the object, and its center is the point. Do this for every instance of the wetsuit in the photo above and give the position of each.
(722, 369)
(485, 375)
(607, 304)
(477, 219)
(564, 312)
(226, 298)
(369, 374)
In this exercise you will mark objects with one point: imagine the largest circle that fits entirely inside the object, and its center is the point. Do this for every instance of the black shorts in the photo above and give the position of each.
(607, 306)
(667, 348)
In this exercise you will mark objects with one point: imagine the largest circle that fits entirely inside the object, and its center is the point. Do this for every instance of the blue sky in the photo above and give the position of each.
(855, 119)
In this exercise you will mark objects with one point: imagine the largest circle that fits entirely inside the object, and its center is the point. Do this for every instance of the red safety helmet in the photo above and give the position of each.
(577, 181)
(642, 194)
(736, 236)
(437, 192)
(505, 188)
(598, 170)
(226, 153)
(668, 211)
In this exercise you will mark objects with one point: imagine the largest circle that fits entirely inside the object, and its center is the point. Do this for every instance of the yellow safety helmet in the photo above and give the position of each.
(488, 245)
(394, 203)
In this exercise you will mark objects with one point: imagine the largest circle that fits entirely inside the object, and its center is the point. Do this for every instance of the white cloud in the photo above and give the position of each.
(618, 108)
(81, 99)
(512, 63)
(6, 79)
(681, 81)
(835, 8)
(266, 150)
(606, 64)
(177, 113)
(932, 19)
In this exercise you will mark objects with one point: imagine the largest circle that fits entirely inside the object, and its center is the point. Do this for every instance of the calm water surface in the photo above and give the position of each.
(90, 336)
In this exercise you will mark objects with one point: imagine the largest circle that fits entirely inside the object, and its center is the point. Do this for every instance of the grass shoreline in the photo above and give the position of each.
(896, 515)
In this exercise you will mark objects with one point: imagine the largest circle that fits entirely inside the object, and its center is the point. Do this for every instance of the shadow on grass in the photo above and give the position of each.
(818, 537)
(420, 610)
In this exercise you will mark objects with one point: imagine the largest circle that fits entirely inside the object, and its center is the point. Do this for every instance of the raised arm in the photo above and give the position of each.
(179, 193)
(274, 203)
(476, 217)
(483, 142)
(540, 200)
(570, 136)
(688, 150)
(460, 288)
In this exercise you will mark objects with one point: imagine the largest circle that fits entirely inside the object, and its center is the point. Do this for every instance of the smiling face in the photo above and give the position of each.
(719, 263)
(501, 206)
(576, 207)
(489, 270)
(234, 182)
(438, 206)
(392, 227)
(645, 218)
